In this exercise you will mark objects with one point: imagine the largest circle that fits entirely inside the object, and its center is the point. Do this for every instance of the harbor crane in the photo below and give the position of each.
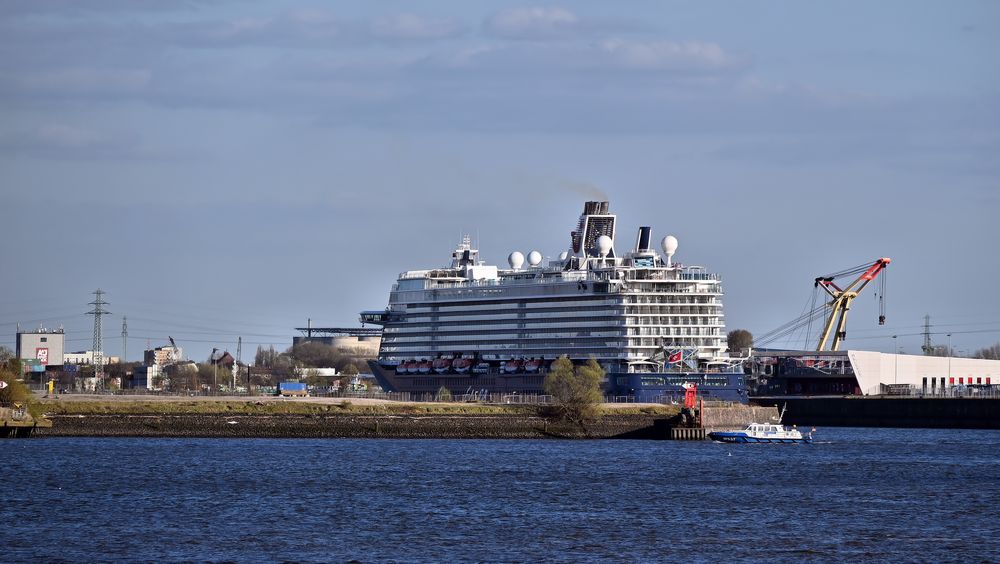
(842, 298)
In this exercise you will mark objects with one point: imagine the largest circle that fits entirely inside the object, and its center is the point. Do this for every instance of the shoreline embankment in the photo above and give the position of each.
(326, 418)
(471, 426)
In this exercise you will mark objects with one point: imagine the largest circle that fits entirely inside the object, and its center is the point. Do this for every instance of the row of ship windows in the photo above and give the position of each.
(673, 300)
(596, 321)
(538, 347)
(490, 336)
(676, 310)
(669, 315)
(467, 308)
(711, 381)
(539, 301)
(550, 304)
(510, 341)
(497, 335)
(513, 317)
(526, 349)
(672, 321)
(638, 327)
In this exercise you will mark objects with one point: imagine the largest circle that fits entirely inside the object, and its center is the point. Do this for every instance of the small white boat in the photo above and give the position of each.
(764, 433)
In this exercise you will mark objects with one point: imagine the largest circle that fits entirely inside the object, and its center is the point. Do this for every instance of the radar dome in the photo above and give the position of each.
(669, 244)
(516, 260)
(604, 244)
(534, 258)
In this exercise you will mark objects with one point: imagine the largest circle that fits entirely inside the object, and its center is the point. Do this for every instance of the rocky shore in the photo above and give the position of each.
(513, 426)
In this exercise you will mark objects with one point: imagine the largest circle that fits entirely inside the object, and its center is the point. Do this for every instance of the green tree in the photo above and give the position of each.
(214, 376)
(315, 355)
(15, 391)
(313, 378)
(5, 354)
(739, 340)
(576, 392)
(182, 377)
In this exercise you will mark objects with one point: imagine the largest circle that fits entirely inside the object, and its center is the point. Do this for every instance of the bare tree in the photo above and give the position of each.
(991, 352)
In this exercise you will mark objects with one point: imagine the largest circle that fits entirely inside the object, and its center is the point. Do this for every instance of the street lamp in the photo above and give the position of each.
(949, 356)
(895, 346)
(215, 372)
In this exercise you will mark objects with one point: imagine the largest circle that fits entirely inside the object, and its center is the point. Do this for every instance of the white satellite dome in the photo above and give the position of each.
(604, 244)
(564, 255)
(534, 258)
(669, 245)
(515, 260)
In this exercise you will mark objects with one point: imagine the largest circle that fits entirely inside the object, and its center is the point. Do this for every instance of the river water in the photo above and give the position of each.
(860, 495)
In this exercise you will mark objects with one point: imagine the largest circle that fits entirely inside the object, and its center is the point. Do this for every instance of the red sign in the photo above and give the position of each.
(42, 354)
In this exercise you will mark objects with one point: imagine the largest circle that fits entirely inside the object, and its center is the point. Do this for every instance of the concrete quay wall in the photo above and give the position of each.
(926, 413)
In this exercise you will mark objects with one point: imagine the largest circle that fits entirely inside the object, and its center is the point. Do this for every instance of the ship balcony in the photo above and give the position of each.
(377, 317)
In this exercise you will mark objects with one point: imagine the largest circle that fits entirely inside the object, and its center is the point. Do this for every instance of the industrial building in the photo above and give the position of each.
(41, 348)
(162, 356)
(87, 358)
(854, 372)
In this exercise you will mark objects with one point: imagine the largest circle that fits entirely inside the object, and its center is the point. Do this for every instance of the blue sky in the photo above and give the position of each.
(234, 168)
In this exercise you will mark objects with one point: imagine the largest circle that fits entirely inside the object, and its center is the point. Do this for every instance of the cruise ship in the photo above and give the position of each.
(654, 325)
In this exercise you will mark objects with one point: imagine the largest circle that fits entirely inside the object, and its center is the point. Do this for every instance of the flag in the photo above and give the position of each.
(675, 357)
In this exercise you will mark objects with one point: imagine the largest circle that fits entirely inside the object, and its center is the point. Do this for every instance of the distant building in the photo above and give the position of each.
(854, 372)
(41, 347)
(162, 356)
(222, 358)
(144, 377)
(87, 358)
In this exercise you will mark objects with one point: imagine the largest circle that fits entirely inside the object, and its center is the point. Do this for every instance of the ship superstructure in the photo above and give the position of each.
(652, 324)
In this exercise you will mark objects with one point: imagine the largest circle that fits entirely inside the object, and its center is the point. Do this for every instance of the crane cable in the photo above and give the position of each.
(812, 306)
(881, 298)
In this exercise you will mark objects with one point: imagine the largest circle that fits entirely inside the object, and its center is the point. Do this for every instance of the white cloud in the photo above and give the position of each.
(62, 141)
(86, 81)
(532, 23)
(667, 55)
(410, 26)
(64, 136)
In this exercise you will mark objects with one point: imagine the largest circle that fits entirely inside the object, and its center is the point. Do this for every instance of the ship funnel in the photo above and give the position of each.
(594, 223)
(642, 241)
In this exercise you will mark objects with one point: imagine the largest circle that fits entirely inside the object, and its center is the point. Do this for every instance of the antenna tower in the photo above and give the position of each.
(928, 347)
(124, 339)
(236, 365)
(97, 312)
